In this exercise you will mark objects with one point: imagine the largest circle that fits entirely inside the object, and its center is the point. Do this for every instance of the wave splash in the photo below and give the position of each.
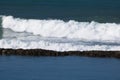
(58, 28)
(59, 35)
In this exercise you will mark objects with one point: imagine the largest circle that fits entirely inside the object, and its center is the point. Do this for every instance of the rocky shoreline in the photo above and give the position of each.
(41, 52)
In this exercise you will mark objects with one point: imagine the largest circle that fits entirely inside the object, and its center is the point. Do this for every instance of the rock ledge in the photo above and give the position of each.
(42, 52)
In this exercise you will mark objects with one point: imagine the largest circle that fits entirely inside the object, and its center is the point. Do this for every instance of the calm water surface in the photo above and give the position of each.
(58, 68)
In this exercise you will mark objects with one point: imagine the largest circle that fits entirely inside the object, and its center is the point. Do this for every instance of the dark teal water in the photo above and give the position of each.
(80, 10)
(58, 68)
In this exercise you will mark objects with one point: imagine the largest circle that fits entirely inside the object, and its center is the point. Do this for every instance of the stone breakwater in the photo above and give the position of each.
(42, 52)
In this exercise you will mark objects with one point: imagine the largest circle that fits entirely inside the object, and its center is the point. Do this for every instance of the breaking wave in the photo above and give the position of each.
(58, 28)
(59, 35)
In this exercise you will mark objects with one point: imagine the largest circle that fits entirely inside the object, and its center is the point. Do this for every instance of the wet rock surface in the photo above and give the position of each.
(41, 52)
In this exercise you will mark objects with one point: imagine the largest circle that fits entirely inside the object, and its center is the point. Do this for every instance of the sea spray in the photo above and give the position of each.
(59, 35)
(58, 28)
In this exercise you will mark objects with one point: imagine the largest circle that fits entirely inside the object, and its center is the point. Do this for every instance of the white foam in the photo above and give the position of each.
(16, 44)
(59, 28)
(59, 35)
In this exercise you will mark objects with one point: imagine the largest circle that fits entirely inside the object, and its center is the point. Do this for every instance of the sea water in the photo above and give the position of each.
(60, 25)
(80, 10)
(58, 68)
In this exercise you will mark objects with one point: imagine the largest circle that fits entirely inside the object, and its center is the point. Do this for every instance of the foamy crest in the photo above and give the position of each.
(58, 28)
(59, 35)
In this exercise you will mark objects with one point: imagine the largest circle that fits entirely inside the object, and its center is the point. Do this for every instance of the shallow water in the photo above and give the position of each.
(59, 68)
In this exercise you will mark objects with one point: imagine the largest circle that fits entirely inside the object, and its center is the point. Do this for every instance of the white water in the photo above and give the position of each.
(59, 35)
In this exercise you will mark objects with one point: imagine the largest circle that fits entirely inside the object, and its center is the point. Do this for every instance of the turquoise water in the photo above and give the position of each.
(58, 68)
(80, 10)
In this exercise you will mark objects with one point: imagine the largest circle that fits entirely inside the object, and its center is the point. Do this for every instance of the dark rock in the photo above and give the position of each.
(41, 52)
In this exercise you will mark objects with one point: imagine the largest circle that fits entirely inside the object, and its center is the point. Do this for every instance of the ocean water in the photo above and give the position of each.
(61, 25)
(80, 10)
(58, 68)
